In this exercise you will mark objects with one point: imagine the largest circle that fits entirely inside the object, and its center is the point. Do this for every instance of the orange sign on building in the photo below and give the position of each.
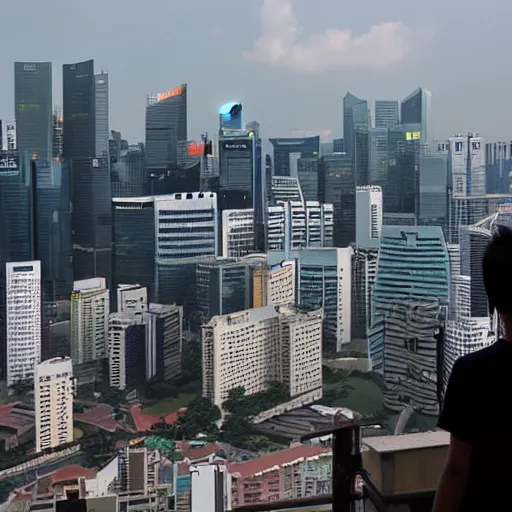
(161, 96)
(195, 149)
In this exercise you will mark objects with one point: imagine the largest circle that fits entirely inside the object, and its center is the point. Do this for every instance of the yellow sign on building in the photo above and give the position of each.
(413, 135)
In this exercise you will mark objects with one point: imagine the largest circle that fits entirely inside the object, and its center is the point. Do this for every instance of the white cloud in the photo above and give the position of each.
(280, 44)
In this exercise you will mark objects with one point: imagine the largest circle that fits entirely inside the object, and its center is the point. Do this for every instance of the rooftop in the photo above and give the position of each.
(389, 444)
(99, 416)
(144, 422)
(73, 472)
(15, 419)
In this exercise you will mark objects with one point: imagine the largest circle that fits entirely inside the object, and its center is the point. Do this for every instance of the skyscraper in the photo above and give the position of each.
(23, 313)
(409, 307)
(416, 113)
(79, 110)
(33, 108)
(368, 217)
(467, 165)
(166, 125)
(284, 149)
(102, 114)
(54, 388)
(386, 114)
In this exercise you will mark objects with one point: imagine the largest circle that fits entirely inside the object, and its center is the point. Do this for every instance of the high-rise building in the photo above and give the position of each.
(54, 388)
(23, 320)
(91, 218)
(433, 190)
(33, 109)
(166, 125)
(286, 149)
(356, 126)
(274, 285)
(409, 307)
(258, 346)
(368, 217)
(90, 307)
(230, 116)
(79, 110)
(308, 174)
(10, 135)
(324, 278)
(416, 115)
(473, 242)
(223, 287)
(129, 173)
(126, 351)
(498, 167)
(386, 114)
(379, 141)
(102, 114)
(467, 165)
(338, 187)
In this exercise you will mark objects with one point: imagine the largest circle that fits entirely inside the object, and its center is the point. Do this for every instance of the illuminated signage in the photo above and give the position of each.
(30, 67)
(230, 145)
(413, 135)
(161, 96)
(9, 163)
(195, 149)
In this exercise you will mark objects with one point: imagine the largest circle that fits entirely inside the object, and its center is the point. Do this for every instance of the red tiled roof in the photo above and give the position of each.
(144, 422)
(73, 472)
(12, 419)
(100, 416)
(195, 453)
(251, 467)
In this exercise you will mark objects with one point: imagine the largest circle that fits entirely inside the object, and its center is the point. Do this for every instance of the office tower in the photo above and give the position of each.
(90, 307)
(467, 165)
(79, 111)
(91, 218)
(129, 172)
(379, 156)
(454, 256)
(10, 135)
(102, 114)
(364, 272)
(134, 242)
(433, 190)
(368, 217)
(386, 114)
(294, 224)
(166, 125)
(285, 189)
(1, 136)
(308, 174)
(401, 191)
(126, 351)
(54, 389)
(498, 166)
(324, 278)
(285, 150)
(230, 116)
(159, 240)
(338, 146)
(473, 242)
(23, 320)
(33, 109)
(416, 115)
(409, 304)
(356, 125)
(261, 346)
(223, 287)
(339, 189)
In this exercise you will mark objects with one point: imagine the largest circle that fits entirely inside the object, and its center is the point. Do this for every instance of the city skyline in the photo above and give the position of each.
(262, 80)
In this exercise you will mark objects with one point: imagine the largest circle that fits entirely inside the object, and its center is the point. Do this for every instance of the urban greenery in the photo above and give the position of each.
(6, 487)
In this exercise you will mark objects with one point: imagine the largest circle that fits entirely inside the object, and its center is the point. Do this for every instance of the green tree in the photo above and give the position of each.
(201, 418)
(6, 487)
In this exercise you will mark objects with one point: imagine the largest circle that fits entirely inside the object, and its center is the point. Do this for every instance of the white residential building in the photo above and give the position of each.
(467, 165)
(23, 320)
(132, 298)
(54, 388)
(257, 346)
(90, 308)
(368, 217)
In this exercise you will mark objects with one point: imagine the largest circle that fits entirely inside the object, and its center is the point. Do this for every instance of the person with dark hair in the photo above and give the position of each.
(478, 471)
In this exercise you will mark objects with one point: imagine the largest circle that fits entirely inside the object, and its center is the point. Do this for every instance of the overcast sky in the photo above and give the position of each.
(288, 61)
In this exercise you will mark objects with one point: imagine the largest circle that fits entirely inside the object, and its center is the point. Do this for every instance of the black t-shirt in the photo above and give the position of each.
(477, 411)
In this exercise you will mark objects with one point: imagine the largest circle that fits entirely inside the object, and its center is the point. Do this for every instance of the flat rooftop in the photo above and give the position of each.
(404, 442)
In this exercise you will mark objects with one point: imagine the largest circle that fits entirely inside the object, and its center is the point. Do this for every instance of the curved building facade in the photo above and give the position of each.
(409, 306)
(230, 116)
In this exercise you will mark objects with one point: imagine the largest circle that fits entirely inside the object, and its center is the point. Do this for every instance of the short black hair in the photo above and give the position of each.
(497, 270)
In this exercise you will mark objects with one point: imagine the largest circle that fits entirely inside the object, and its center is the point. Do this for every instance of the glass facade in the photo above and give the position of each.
(433, 188)
(415, 111)
(33, 108)
(285, 148)
(166, 125)
(409, 306)
(102, 114)
(79, 112)
(386, 114)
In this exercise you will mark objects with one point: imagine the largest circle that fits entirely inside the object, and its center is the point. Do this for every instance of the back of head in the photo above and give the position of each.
(497, 270)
